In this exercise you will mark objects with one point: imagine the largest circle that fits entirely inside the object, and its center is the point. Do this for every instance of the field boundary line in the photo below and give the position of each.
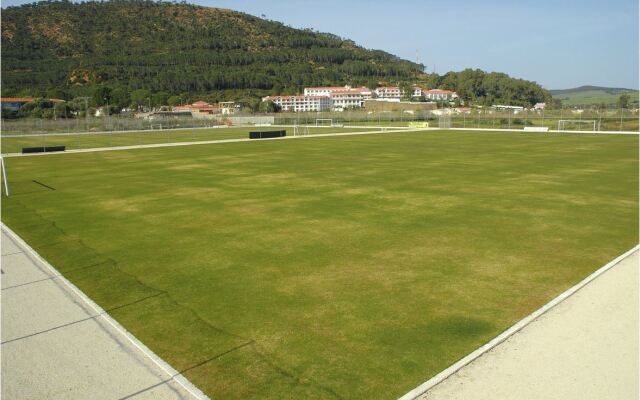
(173, 375)
(549, 131)
(518, 326)
(202, 142)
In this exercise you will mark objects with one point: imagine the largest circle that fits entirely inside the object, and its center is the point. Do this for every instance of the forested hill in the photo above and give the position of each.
(133, 51)
(176, 47)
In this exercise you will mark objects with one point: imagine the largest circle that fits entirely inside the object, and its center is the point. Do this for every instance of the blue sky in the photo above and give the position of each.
(559, 44)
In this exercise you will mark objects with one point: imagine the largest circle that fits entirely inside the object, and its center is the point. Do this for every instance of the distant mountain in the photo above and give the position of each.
(590, 88)
(592, 95)
(177, 47)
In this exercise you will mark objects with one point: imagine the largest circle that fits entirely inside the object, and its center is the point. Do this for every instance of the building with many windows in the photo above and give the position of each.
(301, 103)
(324, 90)
(388, 92)
(439, 94)
(350, 98)
(340, 98)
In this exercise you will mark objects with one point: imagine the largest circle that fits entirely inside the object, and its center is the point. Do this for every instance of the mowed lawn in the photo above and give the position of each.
(351, 267)
(15, 143)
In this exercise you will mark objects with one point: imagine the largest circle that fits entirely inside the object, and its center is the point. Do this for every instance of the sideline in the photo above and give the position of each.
(194, 143)
(426, 386)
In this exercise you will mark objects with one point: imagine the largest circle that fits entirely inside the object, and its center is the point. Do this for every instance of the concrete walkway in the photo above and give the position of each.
(57, 345)
(584, 348)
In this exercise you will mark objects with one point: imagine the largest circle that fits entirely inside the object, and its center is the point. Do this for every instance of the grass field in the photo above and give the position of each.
(15, 143)
(351, 267)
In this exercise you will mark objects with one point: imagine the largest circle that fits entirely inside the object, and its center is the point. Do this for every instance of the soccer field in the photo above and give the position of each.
(351, 267)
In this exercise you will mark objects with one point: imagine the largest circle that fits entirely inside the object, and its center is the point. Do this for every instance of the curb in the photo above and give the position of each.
(172, 374)
(518, 326)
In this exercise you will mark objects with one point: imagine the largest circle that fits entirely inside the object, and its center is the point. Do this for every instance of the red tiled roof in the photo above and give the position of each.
(16, 99)
(326, 88)
(439, 91)
(295, 97)
(198, 105)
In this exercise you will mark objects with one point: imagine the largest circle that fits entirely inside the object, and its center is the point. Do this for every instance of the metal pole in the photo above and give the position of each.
(621, 113)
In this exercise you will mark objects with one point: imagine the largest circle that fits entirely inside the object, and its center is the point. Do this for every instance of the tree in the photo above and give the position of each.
(623, 100)
(120, 97)
(407, 91)
(140, 97)
(57, 93)
(101, 95)
(269, 107)
(174, 101)
(63, 110)
(159, 99)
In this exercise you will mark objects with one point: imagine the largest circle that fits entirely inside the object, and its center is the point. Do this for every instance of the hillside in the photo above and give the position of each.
(592, 95)
(176, 48)
(144, 52)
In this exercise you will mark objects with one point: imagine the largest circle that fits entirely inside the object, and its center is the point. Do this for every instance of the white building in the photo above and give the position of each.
(418, 91)
(439, 94)
(300, 103)
(388, 92)
(539, 106)
(350, 98)
(324, 90)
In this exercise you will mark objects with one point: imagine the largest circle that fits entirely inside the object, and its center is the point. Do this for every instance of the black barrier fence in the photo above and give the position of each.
(267, 134)
(42, 149)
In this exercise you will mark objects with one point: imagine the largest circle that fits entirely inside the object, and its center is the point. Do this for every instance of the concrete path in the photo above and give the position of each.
(57, 345)
(584, 348)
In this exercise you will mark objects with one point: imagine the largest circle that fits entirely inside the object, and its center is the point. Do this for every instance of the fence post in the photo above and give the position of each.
(621, 114)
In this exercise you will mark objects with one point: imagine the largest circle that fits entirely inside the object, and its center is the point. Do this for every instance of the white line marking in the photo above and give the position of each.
(166, 368)
(194, 143)
(423, 388)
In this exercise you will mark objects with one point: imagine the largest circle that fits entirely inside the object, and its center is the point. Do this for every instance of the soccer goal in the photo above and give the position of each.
(578, 125)
(444, 121)
(325, 122)
(300, 130)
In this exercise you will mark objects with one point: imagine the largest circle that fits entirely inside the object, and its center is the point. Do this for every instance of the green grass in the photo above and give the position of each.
(348, 267)
(85, 141)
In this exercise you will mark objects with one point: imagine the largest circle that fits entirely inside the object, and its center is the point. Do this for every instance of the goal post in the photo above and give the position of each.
(580, 124)
(300, 130)
(444, 121)
(323, 122)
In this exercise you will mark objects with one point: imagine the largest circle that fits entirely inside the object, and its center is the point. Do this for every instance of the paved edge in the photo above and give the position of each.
(171, 373)
(424, 387)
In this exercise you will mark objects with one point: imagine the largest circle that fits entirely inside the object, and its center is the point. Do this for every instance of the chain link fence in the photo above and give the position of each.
(124, 131)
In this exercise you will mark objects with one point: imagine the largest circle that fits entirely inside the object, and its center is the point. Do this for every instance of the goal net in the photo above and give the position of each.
(325, 122)
(444, 122)
(578, 125)
(300, 130)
